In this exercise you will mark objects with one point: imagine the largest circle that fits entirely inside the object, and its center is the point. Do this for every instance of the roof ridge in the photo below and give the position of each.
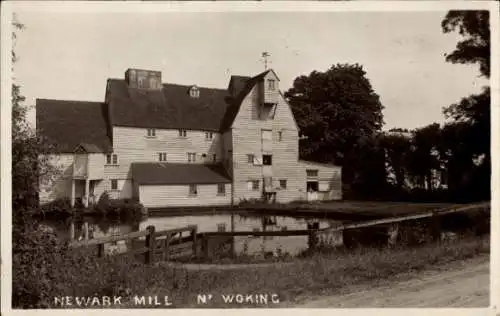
(68, 101)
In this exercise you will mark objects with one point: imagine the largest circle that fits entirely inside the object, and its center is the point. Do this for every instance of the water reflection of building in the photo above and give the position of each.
(91, 229)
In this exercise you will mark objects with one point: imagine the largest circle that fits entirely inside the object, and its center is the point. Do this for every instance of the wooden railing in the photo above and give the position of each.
(166, 244)
(398, 219)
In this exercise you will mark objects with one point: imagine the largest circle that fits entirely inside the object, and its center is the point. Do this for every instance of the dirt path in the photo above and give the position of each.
(460, 284)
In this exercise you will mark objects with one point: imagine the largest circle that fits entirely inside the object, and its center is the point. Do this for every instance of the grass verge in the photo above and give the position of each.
(312, 276)
(66, 273)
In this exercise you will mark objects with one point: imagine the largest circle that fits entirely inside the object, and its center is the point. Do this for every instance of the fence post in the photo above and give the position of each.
(194, 234)
(435, 227)
(100, 250)
(150, 243)
(167, 247)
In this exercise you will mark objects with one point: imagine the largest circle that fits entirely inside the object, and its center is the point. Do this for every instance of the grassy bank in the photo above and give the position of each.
(81, 275)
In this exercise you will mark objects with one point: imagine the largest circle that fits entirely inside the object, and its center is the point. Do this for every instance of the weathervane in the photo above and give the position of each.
(265, 55)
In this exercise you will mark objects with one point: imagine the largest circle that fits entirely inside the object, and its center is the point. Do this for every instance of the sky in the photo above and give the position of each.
(70, 55)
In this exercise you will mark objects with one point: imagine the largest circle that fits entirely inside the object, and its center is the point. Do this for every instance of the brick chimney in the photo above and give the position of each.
(143, 79)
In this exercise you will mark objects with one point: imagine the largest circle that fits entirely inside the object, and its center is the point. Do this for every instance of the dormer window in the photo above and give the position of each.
(194, 92)
(271, 84)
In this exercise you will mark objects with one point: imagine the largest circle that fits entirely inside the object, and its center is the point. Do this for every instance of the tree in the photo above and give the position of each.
(335, 110)
(474, 26)
(468, 135)
(30, 160)
(397, 150)
(425, 158)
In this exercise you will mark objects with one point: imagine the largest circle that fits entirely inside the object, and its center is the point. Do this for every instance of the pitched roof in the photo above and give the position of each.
(61, 123)
(237, 83)
(171, 107)
(235, 103)
(158, 173)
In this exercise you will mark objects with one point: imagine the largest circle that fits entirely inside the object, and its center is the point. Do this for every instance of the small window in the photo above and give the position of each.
(209, 135)
(114, 184)
(221, 189)
(140, 82)
(312, 173)
(214, 158)
(267, 160)
(151, 132)
(253, 185)
(283, 184)
(153, 83)
(191, 157)
(182, 133)
(280, 136)
(271, 84)
(194, 92)
(323, 186)
(193, 190)
(250, 158)
(111, 159)
(162, 156)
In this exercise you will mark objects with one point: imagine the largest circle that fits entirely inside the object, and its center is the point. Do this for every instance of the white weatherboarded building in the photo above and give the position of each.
(171, 145)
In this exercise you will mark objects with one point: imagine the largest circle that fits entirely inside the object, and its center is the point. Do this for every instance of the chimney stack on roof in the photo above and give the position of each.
(143, 79)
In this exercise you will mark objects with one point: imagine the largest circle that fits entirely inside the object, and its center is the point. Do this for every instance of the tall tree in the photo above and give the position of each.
(30, 155)
(336, 109)
(471, 116)
(474, 26)
(425, 157)
(397, 150)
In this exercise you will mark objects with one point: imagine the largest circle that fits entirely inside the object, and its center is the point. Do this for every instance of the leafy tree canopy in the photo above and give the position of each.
(475, 47)
(334, 109)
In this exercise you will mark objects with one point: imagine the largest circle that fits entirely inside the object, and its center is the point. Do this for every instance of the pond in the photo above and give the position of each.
(91, 228)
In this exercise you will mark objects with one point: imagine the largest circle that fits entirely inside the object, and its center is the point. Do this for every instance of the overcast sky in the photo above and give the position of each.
(70, 55)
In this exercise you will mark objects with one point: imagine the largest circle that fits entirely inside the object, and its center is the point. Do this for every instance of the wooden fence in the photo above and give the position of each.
(154, 245)
(170, 244)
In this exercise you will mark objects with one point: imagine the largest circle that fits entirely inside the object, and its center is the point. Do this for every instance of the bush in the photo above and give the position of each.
(44, 267)
(61, 206)
(123, 208)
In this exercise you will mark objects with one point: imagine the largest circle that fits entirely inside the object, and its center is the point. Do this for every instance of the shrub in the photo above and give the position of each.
(123, 208)
(61, 206)
(44, 267)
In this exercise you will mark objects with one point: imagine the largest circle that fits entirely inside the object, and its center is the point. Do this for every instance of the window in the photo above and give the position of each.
(283, 184)
(271, 84)
(140, 82)
(221, 189)
(267, 160)
(214, 157)
(250, 158)
(191, 157)
(194, 92)
(162, 156)
(323, 186)
(111, 159)
(193, 190)
(114, 184)
(153, 83)
(312, 173)
(209, 135)
(253, 185)
(182, 133)
(267, 134)
(280, 136)
(151, 132)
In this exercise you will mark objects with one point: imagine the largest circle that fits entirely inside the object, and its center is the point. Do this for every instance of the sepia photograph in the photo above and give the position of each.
(218, 158)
